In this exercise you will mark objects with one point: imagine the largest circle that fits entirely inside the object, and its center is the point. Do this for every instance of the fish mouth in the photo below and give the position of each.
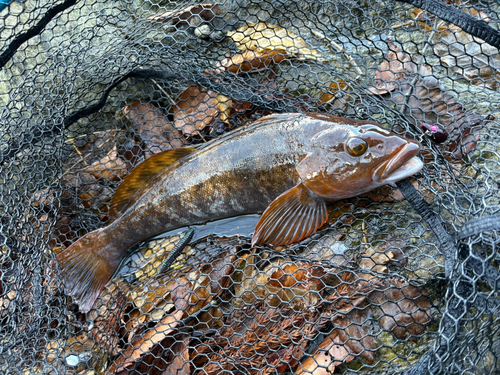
(404, 163)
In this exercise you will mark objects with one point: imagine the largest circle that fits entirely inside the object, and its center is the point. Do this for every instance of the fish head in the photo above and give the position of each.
(346, 160)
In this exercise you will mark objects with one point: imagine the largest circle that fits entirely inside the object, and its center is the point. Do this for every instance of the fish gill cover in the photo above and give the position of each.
(397, 280)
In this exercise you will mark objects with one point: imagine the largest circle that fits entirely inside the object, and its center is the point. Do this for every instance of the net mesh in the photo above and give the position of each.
(90, 89)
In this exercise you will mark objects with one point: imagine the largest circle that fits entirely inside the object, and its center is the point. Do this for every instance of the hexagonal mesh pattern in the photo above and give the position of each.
(396, 281)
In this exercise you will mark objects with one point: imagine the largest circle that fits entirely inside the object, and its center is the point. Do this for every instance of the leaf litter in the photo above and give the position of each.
(419, 96)
(264, 37)
(467, 56)
(279, 312)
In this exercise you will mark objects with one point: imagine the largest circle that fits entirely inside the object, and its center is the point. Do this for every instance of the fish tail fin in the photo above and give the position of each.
(86, 267)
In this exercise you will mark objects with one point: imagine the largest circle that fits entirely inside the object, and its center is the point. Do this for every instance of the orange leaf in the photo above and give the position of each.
(326, 357)
(110, 167)
(196, 108)
(153, 126)
(252, 61)
(333, 89)
(144, 343)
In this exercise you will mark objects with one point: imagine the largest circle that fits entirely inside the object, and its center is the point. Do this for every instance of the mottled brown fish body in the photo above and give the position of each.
(287, 163)
(239, 174)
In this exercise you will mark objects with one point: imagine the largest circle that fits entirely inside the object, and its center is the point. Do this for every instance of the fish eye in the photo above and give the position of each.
(356, 146)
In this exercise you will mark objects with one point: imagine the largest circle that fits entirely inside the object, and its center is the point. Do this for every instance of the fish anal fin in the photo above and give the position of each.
(140, 175)
(294, 215)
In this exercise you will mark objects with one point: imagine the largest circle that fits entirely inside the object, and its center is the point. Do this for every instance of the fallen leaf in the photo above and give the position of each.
(289, 275)
(425, 100)
(143, 344)
(219, 272)
(336, 95)
(330, 353)
(111, 167)
(405, 310)
(394, 71)
(285, 359)
(352, 333)
(107, 316)
(205, 11)
(153, 126)
(252, 61)
(195, 109)
(376, 259)
(177, 357)
(264, 38)
(260, 338)
(225, 105)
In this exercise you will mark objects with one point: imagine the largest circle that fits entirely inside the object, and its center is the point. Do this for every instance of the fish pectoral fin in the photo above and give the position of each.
(292, 216)
(140, 175)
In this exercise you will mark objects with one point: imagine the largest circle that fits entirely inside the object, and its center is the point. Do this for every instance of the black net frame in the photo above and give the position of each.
(399, 281)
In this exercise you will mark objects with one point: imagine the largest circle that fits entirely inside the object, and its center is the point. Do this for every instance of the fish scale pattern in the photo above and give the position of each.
(399, 280)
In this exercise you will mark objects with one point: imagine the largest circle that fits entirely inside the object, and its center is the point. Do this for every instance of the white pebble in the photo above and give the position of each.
(72, 360)
(203, 31)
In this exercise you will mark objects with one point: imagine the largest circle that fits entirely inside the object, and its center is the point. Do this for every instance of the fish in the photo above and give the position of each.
(285, 166)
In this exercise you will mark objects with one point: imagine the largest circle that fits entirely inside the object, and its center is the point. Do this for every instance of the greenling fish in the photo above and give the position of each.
(284, 165)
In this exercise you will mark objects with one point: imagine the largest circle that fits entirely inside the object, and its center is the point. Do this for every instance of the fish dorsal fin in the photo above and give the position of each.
(292, 216)
(140, 175)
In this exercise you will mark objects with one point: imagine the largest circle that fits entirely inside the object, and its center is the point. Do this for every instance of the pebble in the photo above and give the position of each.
(72, 360)
(202, 31)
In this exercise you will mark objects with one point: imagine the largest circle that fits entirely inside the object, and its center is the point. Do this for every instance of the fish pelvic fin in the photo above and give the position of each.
(294, 215)
(85, 270)
(125, 195)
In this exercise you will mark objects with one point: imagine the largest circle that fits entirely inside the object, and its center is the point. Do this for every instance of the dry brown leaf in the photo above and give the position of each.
(405, 310)
(263, 37)
(351, 332)
(195, 109)
(326, 357)
(218, 273)
(205, 11)
(333, 91)
(153, 126)
(144, 343)
(409, 315)
(468, 56)
(178, 359)
(225, 105)
(289, 275)
(285, 359)
(111, 167)
(92, 183)
(425, 101)
(107, 315)
(394, 71)
(296, 280)
(252, 61)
